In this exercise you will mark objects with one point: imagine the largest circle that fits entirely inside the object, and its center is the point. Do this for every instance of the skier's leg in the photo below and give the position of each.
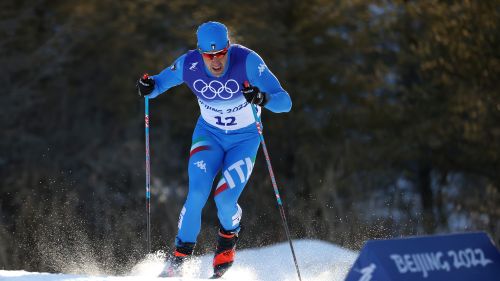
(236, 171)
(204, 163)
(237, 168)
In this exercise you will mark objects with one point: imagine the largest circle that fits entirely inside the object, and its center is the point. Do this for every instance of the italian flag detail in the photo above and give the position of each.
(221, 186)
(198, 145)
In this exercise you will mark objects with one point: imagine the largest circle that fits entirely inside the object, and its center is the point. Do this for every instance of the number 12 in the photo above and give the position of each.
(231, 120)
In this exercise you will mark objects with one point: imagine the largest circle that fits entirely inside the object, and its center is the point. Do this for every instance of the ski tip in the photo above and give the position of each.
(216, 276)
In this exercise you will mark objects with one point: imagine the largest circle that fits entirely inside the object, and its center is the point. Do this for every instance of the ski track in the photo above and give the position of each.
(318, 261)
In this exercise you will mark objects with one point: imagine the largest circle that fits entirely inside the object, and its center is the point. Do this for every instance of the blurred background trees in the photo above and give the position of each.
(394, 129)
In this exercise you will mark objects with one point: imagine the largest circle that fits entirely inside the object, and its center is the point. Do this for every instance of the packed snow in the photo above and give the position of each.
(318, 261)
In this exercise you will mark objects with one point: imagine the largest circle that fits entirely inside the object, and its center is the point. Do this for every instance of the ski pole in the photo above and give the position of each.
(273, 181)
(148, 172)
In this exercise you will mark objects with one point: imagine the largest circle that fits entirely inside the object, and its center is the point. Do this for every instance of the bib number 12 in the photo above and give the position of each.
(229, 121)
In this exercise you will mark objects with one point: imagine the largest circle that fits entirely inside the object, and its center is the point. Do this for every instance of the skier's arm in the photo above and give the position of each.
(168, 78)
(260, 76)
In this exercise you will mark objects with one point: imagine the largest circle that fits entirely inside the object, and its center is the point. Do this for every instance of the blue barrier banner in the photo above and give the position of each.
(464, 256)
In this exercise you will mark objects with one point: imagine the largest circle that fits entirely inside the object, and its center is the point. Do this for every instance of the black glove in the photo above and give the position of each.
(254, 95)
(145, 85)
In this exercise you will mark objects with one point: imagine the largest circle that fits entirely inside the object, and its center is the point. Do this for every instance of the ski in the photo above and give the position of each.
(215, 276)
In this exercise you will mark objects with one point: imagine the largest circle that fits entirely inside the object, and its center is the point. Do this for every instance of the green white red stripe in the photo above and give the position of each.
(221, 186)
(226, 181)
(198, 145)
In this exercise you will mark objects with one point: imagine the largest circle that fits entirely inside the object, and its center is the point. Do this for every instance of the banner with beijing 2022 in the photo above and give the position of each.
(465, 256)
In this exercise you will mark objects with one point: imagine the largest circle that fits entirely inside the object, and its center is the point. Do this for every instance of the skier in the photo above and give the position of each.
(227, 80)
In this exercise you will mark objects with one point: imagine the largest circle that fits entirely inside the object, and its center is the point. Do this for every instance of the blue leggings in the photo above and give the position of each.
(214, 150)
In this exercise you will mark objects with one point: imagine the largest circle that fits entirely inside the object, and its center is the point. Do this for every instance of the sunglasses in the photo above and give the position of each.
(219, 54)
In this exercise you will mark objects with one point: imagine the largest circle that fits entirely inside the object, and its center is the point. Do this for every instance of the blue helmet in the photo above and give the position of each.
(212, 36)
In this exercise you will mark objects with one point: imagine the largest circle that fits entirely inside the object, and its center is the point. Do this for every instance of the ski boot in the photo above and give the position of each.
(225, 251)
(173, 267)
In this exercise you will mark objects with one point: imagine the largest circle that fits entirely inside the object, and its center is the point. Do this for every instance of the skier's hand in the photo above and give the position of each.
(145, 85)
(253, 95)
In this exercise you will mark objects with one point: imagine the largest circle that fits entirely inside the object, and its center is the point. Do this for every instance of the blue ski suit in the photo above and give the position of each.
(225, 138)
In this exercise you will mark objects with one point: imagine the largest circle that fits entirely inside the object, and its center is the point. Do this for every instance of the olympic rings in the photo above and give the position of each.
(224, 91)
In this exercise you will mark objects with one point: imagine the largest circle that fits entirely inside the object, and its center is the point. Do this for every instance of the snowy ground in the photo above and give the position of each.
(318, 261)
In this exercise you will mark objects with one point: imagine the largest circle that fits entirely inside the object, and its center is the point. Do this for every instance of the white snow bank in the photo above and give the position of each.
(318, 261)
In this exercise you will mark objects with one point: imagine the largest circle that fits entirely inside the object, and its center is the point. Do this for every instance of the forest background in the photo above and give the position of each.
(394, 130)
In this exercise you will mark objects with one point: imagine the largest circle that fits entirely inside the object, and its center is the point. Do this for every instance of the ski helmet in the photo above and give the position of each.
(212, 36)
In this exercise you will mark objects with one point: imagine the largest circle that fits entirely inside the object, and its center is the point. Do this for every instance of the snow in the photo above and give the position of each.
(318, 261)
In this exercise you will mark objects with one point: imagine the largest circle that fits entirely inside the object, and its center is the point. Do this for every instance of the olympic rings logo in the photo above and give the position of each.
(215, 88)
